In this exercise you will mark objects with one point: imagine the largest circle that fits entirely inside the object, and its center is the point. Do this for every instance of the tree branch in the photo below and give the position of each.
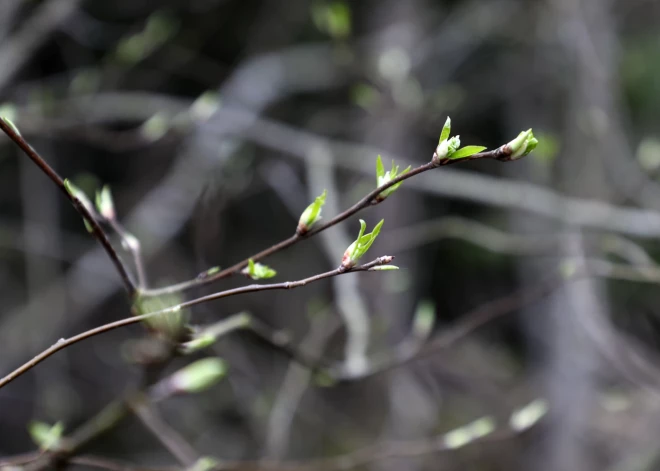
(63, 343)
(96, 229)
(370, 199)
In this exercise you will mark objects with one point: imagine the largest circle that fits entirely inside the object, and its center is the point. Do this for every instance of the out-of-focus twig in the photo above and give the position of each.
(169, 437)
(499, 241)
(82, 209)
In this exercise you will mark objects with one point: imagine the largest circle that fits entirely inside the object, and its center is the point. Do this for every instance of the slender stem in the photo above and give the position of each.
(63, 343)
(170, 438)
(132, 244)
(96, 229)
(280, 340)
(370, 199)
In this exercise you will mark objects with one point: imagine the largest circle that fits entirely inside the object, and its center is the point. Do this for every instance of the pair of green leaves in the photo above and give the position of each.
(258, 271)
(450, 147)
(383, 177)
(359, 247)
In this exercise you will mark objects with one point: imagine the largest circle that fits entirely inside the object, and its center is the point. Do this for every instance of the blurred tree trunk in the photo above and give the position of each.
(563, 332)
(412, 410)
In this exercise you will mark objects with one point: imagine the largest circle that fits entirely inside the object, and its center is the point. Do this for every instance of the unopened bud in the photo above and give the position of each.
(104, 203)
(446, 148)
(312, 214)
(197, 376)
(522, 145)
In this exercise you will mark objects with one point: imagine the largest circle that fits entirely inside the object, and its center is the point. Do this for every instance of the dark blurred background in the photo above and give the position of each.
(216, 122)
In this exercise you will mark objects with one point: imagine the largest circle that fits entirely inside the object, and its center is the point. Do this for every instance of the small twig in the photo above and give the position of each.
(280, 340)
(170, 438)
(97, 230)
(63, 343)
(370, 199)
(132, 244)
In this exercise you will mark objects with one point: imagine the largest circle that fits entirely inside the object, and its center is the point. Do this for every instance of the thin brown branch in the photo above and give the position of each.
(97, 230)
(63, 343)
(370, 199)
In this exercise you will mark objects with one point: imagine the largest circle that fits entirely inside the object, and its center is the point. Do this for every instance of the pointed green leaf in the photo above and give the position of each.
(446, 129)
(466, 151)
(380, 169)
(359, 247)
(356, 248)
(258, 271)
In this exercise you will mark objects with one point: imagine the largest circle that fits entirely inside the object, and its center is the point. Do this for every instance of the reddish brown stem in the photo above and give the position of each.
(370, 199)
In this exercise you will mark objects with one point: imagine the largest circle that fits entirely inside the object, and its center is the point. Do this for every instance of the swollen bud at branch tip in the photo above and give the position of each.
(446, 148)
(312, 214)
(522, 145)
